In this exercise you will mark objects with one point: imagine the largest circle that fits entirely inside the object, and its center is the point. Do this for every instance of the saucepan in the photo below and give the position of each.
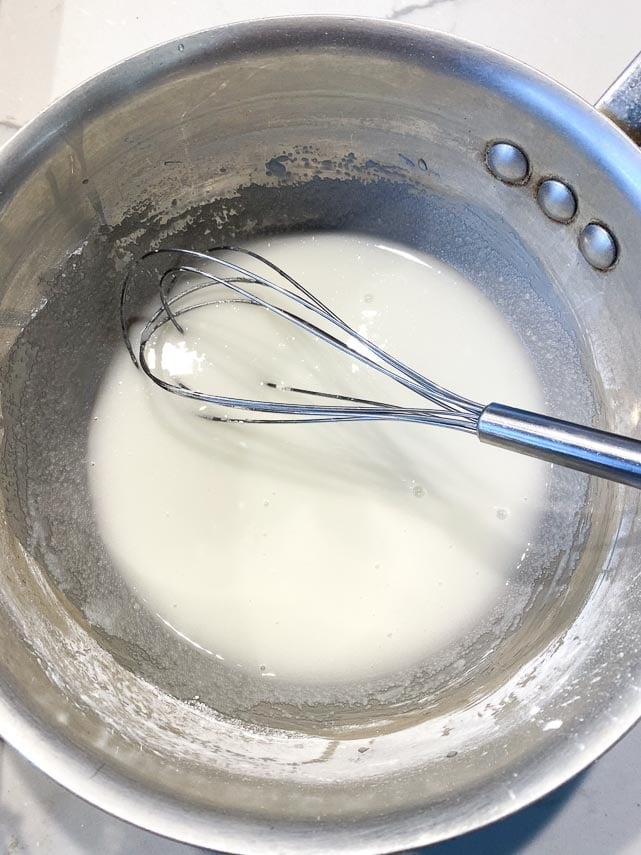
(319, 123)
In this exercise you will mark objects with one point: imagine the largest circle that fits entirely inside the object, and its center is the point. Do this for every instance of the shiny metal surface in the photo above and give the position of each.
(598, 246)
(621, 102)
(507, 162)
(557, 200)
(595, 452)
(299, 124)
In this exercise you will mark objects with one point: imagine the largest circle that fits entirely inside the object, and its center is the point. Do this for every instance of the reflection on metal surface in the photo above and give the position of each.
(557, 200)
(507, 162)
(598, 246)
(621, 102)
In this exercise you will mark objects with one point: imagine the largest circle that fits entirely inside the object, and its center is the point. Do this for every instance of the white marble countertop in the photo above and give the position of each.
(46, 47)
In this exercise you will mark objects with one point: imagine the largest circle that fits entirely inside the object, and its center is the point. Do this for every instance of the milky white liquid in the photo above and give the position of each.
(320, 553)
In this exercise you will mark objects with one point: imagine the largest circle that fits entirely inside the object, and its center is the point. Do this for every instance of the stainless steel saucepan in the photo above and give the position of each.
(319, 123)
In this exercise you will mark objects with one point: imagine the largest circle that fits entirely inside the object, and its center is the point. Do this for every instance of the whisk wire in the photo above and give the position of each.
(453, 411)
(580, 447)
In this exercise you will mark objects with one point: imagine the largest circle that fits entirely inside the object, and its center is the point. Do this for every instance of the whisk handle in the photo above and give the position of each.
(597, 452)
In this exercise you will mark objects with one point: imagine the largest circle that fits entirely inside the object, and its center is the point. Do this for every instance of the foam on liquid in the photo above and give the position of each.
(320, 553)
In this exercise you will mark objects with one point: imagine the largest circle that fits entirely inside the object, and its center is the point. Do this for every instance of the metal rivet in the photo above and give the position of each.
(507, 162)
(557, 200)
(598, 246)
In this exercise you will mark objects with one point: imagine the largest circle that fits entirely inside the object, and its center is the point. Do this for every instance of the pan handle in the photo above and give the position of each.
(621, 102)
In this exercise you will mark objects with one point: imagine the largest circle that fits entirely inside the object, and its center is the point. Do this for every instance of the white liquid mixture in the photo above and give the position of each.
(320, 553)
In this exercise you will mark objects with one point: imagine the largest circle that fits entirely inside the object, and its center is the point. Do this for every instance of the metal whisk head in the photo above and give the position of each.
(587, 449)
(288, 299)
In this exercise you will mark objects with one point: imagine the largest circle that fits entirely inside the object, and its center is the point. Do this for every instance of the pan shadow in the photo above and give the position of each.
(511, 835)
